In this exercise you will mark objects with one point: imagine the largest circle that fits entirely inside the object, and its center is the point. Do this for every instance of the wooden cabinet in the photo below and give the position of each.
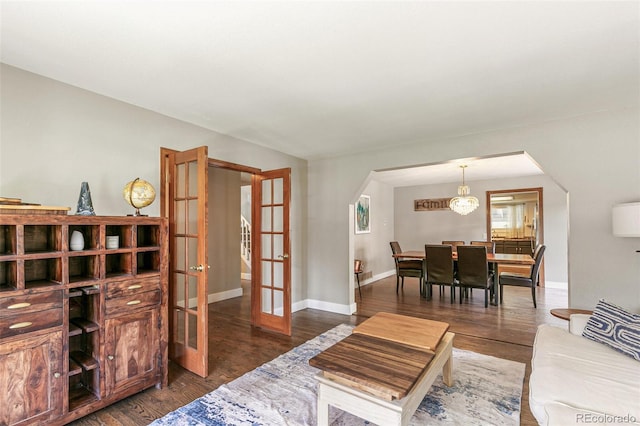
(131, 350)
(515, 246)
(79, 329)
(31, 378)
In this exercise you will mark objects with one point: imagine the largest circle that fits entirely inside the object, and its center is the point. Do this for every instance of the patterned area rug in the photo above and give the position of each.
(486, 391)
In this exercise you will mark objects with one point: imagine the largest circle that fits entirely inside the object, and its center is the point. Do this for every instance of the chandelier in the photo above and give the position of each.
(464, 203)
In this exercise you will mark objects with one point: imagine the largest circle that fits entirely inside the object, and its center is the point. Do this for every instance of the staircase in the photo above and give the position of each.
(245, 246)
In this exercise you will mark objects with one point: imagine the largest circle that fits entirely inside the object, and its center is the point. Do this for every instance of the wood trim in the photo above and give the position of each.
(539, 190)
(212, 162)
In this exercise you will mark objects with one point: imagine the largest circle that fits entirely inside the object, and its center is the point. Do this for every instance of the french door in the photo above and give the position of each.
(184, 200)
(271, 264)
(184, 176)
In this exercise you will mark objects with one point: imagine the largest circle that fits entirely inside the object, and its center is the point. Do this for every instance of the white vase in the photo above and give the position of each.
(77, 241)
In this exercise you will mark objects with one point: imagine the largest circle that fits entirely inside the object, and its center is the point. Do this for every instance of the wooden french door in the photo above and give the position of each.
(184, 177)
(271, 264)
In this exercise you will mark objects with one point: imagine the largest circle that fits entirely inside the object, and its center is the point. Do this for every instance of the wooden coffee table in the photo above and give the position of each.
(384, 369)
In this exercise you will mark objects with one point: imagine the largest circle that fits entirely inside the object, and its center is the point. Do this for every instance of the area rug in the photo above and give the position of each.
(486, 391)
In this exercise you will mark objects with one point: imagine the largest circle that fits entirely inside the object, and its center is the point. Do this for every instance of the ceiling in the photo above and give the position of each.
(327, 78)
(497, 167)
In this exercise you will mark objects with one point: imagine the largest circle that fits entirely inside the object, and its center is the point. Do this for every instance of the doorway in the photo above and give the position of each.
(200, 195)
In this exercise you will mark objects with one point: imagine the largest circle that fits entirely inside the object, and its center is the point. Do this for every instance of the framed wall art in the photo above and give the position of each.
(363, 215)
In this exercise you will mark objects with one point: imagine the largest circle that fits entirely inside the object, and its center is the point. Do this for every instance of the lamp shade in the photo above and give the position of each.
(626, 220)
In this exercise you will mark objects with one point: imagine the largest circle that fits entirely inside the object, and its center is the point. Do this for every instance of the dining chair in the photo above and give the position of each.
(439, 263)
(522, 280)
(473, 271)
(407, 268)
(490, 245)
(357, 270)
(454, 244)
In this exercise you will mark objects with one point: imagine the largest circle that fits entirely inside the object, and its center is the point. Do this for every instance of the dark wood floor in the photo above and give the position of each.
(235, 347)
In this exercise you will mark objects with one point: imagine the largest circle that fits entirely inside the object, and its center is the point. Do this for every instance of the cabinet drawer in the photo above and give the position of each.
(133, 303)
(132, 287)
(11, 306)
(30, 321)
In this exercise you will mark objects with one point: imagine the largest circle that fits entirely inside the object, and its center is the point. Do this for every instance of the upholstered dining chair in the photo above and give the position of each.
(454, 244)
(522, 280)
(490, 245)
(407, 268)
(439, 263)
(357, 270)
(473, 271)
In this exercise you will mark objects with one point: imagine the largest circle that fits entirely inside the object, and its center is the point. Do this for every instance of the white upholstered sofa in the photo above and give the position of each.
(576, 381)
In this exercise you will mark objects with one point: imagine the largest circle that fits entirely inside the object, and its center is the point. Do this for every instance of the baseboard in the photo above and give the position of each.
(321, 305)
(224, 295)
(377, 277)
(556, 284)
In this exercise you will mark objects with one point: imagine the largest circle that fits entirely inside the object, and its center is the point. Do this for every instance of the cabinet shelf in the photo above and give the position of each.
(42, 238)
(79, 396)
(7, 240)
(74, 330)
(74, 368)
(86, 361)
(85, 325)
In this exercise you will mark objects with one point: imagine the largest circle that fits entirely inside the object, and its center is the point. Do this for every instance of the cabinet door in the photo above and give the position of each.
(31, 379)
(131, 348)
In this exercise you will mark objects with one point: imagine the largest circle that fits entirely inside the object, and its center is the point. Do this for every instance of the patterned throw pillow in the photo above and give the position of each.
(615, 327)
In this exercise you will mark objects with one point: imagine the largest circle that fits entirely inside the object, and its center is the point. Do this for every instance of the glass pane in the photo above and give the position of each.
(266, 273)
(193, 179)
(180, 255)
(192, 227)
(266, 192)
(278, 274)
(277, 219)
(193, 292)
(193, 253)
(180, 169)
(277, 191)
(179, 326)
(179, 291)
(266, 300)
(180, 214)
(278, 303)
(193, 331)
(266, 246)
(266, 219)
(278, 245)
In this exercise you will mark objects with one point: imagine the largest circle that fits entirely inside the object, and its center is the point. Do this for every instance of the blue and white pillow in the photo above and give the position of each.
(615, 327)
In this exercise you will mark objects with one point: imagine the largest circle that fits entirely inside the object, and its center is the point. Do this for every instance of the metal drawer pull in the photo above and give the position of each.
(20, 325)
(19, 305)
(110, 357)
(134, 286)
(56, 375)
(133, 302)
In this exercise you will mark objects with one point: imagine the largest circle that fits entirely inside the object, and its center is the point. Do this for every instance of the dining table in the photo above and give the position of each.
(494, 258)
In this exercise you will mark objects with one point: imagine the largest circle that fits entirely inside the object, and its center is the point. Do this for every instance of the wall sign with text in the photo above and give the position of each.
(431, 204)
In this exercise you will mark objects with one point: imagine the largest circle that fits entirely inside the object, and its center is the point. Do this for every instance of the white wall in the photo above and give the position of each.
(373, 248)
(595, 157)
(224, 234)
(55, 136)
(415, 229)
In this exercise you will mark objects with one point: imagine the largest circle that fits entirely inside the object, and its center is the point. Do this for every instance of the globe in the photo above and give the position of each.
(139, 193)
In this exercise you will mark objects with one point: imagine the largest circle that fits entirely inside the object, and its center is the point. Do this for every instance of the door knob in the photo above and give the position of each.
(283, 256)
(199, 268)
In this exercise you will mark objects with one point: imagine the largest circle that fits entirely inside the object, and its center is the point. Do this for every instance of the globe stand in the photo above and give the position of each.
(137, 213)
(138, 193)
